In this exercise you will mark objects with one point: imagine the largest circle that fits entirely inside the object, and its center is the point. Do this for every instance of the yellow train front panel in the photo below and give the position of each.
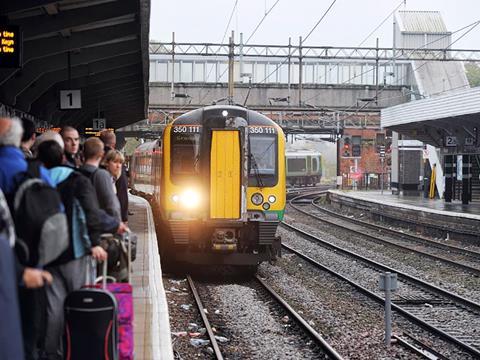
(225, 182)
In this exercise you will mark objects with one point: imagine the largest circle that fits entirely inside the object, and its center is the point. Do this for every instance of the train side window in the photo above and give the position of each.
(314, 165)
(297, 165)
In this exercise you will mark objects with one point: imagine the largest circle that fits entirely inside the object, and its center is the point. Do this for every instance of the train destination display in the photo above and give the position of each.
(10, 46)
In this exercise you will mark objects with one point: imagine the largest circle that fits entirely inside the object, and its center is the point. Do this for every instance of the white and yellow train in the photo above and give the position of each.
(218, 175)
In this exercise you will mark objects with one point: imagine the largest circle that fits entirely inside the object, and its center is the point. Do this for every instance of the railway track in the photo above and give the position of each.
(296, 191)
(327, 352)
(464, 259)
(422, 303)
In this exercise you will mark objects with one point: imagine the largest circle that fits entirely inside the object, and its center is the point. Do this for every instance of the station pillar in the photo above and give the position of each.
(449, 177)
(466, 179)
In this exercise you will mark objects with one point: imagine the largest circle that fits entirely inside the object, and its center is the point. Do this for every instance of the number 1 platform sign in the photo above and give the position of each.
(70, 99)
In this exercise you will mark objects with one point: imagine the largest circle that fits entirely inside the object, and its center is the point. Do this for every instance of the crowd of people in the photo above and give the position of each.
(37, 273)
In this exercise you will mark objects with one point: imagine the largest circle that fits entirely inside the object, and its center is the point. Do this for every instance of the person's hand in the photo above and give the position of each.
(34, 278)
(99, 254)
(122, 228)
(47, 277)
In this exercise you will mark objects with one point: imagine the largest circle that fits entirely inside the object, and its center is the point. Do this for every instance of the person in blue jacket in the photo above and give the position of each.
(11, 344)
(31, 280)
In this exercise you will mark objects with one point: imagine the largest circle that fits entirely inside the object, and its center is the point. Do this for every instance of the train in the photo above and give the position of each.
(218, 176)
(304, 168)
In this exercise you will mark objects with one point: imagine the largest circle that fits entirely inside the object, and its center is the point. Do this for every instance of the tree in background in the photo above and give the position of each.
(473, 74)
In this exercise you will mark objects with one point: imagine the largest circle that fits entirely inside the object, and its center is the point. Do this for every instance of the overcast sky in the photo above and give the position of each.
(347, 23)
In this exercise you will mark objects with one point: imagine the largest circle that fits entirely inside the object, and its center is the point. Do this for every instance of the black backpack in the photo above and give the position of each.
(40, 221)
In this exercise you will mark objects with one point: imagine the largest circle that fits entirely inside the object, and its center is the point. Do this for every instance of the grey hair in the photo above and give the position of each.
(13, 136)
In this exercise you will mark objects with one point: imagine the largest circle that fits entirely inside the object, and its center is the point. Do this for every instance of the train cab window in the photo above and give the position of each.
(263, 160)
(184, 155)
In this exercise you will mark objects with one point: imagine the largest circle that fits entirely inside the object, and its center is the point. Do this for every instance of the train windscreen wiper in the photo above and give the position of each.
(254, 166)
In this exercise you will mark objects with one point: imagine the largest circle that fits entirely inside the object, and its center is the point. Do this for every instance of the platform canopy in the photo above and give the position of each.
(450, 121)
(92, 51)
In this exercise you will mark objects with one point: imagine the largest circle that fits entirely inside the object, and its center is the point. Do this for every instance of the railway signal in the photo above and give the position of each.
(346, 147)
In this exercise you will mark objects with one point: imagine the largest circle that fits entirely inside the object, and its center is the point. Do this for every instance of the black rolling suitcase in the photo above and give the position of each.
(91, 328)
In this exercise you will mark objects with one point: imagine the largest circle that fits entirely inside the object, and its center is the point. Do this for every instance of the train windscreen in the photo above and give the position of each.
(184, 155)
(263, 160)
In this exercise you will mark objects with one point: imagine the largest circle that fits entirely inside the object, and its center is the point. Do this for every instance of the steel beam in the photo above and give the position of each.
(14, 6)
(118, 74)
(36, 26)
(35, 69)
(30, 95)
(313, 52)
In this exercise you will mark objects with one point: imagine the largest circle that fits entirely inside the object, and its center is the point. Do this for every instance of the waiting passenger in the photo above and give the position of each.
(110, 140)
(11, 345)
(113, 163)
(101, 178)
(28, 137)
(31, 293)
(85, 227)
(49, 135)
(71, 138)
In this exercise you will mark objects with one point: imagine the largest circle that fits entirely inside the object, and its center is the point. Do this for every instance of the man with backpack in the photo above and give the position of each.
(86, 223)
(11, 345)
(34, 247)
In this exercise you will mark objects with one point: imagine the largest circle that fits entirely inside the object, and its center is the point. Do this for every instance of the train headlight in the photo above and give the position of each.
(272, 199)
(266, 206)
(257, 199)
(190, 199)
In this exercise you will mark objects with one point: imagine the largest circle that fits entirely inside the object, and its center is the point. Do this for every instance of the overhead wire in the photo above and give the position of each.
(261, 21)
(363, 41)
(319, 21)
(306, 37)
(471, 26)
(223, 38)
(251, 35)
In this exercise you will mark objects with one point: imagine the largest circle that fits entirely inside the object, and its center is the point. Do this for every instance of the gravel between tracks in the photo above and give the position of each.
(446, 277)
(352, 324)
(362, 275)
(250, 318)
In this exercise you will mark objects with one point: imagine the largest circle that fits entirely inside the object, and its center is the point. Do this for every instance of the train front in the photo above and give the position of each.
(223, 187)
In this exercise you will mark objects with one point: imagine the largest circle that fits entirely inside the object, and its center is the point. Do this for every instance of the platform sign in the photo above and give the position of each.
(10, 46)
(70, 99)
(99, 124)
(451, 141)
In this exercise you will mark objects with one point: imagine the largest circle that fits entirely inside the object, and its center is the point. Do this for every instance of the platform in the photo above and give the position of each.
(151, 327)
(430, 214)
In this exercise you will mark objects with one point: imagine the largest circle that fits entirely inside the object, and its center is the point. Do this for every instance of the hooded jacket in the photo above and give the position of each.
(76, 189)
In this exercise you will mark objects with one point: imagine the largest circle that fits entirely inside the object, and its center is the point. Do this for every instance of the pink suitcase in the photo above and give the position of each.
(124, 297)
(123, 294)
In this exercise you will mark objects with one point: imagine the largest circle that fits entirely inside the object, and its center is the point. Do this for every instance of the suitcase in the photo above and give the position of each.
(124, 298)
(91, 324)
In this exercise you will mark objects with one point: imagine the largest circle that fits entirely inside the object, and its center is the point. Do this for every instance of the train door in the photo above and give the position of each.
(225, 179)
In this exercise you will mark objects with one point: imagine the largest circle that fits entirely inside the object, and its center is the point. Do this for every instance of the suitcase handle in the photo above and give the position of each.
(92, 280)
(129, 256)
(104, 276)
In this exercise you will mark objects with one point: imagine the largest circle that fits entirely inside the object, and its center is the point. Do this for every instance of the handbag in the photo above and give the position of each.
(117, 248)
